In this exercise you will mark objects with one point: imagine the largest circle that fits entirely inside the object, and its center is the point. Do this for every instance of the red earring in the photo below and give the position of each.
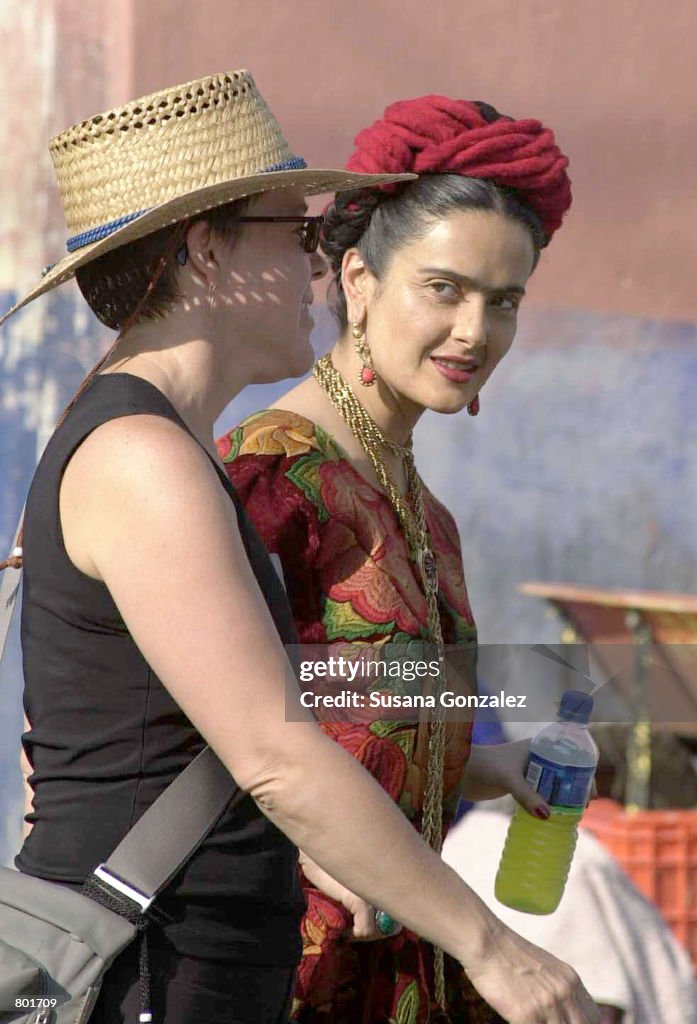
(473, 407)
(367, 375)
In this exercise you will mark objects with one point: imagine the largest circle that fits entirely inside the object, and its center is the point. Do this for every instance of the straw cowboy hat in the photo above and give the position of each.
(168, 156)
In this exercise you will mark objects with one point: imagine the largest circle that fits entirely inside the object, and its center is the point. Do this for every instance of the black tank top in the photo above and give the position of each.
(106, 738)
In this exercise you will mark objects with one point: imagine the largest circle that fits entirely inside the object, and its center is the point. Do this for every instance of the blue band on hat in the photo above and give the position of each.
(296, 163)
(95, 234)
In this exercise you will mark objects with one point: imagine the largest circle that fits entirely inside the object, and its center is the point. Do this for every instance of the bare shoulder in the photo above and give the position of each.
(132, 439)
(309, 401)
(125, 473)
(306, 399)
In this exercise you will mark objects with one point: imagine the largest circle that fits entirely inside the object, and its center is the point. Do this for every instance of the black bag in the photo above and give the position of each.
(56, 944)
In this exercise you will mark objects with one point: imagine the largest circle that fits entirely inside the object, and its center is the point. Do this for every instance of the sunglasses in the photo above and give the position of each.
(311, 227)
(310, 231)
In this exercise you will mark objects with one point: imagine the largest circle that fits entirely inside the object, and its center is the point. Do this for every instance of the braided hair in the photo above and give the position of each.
(469, 156)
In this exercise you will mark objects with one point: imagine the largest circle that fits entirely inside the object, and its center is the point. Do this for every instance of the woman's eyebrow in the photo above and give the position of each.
(515, 289)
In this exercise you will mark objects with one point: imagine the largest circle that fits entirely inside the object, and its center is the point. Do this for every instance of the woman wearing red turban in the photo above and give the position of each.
(429, 276)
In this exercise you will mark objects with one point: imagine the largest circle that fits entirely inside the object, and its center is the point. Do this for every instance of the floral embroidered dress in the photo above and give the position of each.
(350, 580)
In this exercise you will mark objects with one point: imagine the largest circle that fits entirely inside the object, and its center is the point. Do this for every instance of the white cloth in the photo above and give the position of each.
(613, 937)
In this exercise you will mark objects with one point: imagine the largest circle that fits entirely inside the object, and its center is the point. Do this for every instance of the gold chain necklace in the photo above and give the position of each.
(412, 520)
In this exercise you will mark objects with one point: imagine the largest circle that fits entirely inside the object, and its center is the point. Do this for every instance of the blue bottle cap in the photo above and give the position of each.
(576, 706)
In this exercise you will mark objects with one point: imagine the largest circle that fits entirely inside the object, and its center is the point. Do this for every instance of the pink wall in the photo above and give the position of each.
(615, 80)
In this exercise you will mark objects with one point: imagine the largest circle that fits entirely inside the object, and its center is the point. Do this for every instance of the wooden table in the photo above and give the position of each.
(646, 642)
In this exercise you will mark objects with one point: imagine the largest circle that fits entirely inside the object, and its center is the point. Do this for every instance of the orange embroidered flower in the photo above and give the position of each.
(276, 432)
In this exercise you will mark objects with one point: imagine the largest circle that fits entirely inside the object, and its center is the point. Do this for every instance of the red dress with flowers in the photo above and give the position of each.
(349, 579)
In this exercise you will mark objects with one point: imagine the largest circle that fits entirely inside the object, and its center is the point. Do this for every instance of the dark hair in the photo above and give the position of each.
(114, 284)
(378, 225)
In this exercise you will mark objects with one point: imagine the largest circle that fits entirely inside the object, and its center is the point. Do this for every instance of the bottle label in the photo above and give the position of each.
(561, 785)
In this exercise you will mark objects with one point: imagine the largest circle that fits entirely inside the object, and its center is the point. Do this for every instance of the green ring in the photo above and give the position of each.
(385, 924)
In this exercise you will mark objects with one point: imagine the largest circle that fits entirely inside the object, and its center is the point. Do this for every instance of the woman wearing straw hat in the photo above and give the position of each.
(153, 620)
(429, 275)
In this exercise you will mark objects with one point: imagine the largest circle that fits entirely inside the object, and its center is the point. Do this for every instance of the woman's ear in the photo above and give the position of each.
(358, 283)
(201, 245)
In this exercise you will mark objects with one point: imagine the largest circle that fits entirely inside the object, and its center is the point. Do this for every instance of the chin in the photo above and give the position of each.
(287, 361)
(446, 404)
(302, 360)
(447, 408)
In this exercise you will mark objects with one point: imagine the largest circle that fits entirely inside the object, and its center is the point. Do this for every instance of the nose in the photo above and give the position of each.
(472, 323)
(319, 265)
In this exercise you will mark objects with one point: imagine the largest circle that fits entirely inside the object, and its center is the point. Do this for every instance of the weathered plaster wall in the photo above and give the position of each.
(581, 465)
(57, 56)
(615, 80)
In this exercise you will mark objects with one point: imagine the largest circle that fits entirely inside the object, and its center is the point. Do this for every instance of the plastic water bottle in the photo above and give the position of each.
(537, 854)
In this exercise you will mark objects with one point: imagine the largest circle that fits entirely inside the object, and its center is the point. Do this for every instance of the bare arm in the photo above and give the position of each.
(142, 509)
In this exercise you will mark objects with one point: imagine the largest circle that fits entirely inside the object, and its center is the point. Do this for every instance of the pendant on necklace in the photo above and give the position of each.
(428, 568)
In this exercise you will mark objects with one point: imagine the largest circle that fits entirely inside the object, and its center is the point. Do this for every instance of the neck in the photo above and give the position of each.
(190, 369)
(395, 414)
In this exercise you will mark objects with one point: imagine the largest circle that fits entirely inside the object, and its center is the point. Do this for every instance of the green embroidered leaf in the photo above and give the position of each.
(408, 1005)
(328, 444)
(384, 728)
(235, 441)
(401, 637)
(304, 473)
(343, 622)
(400, 733)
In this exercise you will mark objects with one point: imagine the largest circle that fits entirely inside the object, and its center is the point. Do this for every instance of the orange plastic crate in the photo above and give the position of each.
(658, 850)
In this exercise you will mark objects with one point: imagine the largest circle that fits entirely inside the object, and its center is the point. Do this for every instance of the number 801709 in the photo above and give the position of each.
(35, 1003)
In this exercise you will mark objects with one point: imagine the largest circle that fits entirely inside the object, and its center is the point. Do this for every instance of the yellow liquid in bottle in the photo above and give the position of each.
(536, 859)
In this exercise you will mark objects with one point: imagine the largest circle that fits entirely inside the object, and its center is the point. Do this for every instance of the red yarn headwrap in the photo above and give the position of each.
(437, 135)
